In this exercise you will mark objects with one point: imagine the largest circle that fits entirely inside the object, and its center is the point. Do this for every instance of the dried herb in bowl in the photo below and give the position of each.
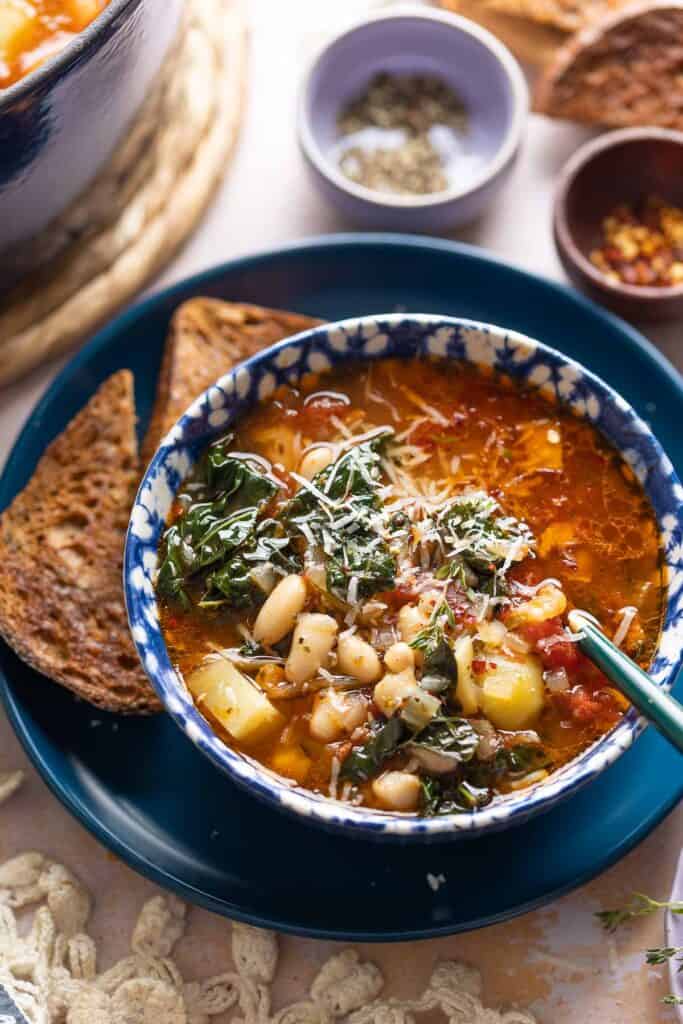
(403, 134)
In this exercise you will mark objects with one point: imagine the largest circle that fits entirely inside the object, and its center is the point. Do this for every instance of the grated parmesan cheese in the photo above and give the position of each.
(432, 413)
(628, 614)
(334, 777)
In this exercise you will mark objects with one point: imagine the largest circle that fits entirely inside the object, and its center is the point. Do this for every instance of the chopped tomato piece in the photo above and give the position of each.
(319, 409)
(559, 652)
(535, 631)
(589, 708)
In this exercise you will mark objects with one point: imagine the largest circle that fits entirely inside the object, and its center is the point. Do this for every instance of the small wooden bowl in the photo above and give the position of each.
(619, 167)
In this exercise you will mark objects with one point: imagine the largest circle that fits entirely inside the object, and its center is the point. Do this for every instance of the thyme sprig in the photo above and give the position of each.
(641, 905)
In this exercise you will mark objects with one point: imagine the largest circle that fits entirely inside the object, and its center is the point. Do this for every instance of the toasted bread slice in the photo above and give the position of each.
(568, 15)
(531, 41)
(207, 338)
(623, 70)
(61, 552)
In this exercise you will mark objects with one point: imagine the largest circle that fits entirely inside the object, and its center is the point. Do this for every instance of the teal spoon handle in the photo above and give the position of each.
(658, 707)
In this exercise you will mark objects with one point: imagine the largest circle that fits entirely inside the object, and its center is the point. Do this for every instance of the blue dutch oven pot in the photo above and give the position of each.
(60, 124)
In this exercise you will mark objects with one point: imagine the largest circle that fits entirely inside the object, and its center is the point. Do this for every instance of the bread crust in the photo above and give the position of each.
(61, 555)
(207, 338)
(622, 70)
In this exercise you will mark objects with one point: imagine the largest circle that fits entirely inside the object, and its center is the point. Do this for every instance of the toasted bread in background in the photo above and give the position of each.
(568, 15)
(207, 338)
(61, 553)
(621, 71)
(531, 42)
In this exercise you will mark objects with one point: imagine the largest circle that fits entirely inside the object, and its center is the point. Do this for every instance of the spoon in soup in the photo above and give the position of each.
(659, 707)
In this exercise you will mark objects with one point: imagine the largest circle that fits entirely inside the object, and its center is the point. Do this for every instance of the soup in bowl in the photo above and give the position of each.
(350, 564)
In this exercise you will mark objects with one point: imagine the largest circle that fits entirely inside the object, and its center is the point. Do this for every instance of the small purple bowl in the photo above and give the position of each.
(469, 59)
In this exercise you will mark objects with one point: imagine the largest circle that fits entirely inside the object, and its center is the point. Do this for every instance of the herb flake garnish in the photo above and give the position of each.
(341, 512)
(476, 536)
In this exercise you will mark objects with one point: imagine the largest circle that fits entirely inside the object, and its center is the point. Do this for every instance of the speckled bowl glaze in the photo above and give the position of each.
(472, 61)
(524, 359)
(60, 124)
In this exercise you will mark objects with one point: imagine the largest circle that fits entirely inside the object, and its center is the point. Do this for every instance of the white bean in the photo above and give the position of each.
(399, 656)
(278, 614)
(357, 658)
(335, 714)
(314, 637)
(397, 791)
(315, 460)
(394, 690)
(548, 603)
(410, 622)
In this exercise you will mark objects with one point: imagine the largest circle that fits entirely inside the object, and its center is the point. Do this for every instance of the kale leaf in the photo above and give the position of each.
(364, 762)
(342, 512)
(476, 536)
(218, 530)
(452, 736)
(439, 669)
(449, 796)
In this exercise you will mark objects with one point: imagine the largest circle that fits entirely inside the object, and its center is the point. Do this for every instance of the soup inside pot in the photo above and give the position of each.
(366, 585)
(31, 31)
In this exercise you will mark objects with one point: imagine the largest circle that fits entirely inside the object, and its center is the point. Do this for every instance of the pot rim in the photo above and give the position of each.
(46, 74)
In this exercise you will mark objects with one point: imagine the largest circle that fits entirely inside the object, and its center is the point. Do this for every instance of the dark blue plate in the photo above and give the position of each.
(145, 791)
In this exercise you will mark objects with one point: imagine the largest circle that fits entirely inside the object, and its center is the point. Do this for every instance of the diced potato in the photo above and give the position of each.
(234, 701)
(584, 565)
(16, 28)
(466, 691)
(280, 444)
(291, 763)
(557, 535)
(419, 709)
(547, 603)
(512, 692)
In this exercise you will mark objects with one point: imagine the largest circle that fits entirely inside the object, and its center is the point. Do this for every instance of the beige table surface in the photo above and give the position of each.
(556, 960)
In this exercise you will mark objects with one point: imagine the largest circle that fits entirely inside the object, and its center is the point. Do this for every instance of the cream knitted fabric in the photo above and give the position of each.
(51, 970)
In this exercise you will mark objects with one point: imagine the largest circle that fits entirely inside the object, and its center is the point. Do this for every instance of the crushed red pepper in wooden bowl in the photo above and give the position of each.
(643, 245)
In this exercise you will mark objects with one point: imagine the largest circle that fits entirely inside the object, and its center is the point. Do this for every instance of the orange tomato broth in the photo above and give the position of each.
(31, 31)
(595, 529)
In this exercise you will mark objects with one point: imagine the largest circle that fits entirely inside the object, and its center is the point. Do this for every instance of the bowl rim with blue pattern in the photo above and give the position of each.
(365, 338)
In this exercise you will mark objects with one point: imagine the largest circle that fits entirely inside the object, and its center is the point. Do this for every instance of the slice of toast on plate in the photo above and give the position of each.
(207, 338)
(61, 553)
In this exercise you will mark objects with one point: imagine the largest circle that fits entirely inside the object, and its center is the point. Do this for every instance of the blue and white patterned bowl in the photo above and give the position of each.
(375, 337)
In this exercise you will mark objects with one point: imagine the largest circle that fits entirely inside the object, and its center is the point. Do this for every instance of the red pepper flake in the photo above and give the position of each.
(643, 246)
